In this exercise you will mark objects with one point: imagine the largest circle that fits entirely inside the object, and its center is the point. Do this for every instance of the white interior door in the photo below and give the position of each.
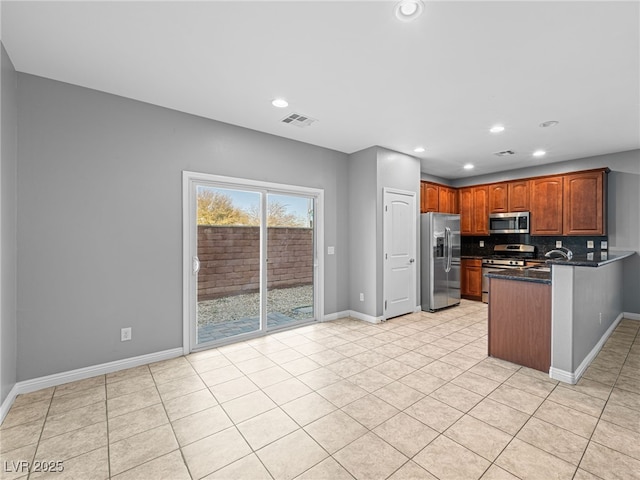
(399, 245)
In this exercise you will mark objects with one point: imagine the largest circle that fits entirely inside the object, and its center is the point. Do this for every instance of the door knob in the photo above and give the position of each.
(411, 260)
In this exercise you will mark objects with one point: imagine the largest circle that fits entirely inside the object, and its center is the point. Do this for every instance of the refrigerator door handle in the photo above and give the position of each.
(449, 248)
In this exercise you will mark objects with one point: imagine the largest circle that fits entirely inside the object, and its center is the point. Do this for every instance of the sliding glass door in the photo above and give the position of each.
(290, 259)
(251, 258)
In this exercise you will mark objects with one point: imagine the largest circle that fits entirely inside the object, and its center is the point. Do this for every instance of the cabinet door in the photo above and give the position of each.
(431, 197)
(475, 281)
(498, 194)
(452, 193)
(546, 205)
(466, 211)
(584, 212)
(481, 210)
(447, 199)
(443, 200)
(471, 278)
(519, 196)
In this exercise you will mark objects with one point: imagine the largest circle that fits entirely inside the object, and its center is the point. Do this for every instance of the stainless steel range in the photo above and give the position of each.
(514, 255)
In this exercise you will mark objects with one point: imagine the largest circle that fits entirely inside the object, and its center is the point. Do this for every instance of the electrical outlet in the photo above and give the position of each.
(482, 243)
(558, 243)
(362, 297)
(603, 245)
(589, 243)
(331, 250)
(589, 255)
(600, 318)
(125, 334)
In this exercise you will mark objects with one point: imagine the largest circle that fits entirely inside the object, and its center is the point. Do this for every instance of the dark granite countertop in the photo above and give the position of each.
(597, 260)
(522, 275)
(475, 257)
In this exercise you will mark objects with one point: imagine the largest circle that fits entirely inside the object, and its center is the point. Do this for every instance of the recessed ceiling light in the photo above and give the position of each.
(539, 153)
(418, 149)
(468, 166)
(496, 129)
(280, 103)
(549, 123)
(407, 10)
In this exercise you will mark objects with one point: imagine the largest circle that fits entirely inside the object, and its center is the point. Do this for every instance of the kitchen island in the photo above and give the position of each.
(579, 304)
(520, 317)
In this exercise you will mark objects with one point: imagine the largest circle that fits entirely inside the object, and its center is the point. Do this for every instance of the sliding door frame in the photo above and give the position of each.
(190, 180)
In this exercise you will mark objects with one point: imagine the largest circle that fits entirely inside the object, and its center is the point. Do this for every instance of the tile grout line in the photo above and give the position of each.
(637, 336)
(372, 348)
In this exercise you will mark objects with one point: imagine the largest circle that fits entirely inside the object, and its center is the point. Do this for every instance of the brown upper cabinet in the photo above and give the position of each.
(428, 197)
(481, 210)
(466, 210)
(584, 203)
(509, 197)
(519, 196)
(474, 210)
(498, 198)
(448, 200)
(568, 204)
(438, 198)
(546, 206)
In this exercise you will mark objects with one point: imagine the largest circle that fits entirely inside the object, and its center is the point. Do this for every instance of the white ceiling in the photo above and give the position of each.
(440, 81)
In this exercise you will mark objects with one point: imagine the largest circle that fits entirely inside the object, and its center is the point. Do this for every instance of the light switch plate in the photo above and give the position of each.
(589, 243)
(603, 245)
(482, 243)
(558, 243)
(590, 256)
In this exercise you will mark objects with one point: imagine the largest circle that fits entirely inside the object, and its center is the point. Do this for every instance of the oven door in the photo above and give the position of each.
(485, 281)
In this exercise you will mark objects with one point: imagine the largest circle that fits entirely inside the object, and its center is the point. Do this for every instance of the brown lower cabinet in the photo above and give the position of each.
(471, 278)
(520, 322)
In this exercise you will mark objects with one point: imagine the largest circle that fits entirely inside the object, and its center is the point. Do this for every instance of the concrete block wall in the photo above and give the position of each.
(230, 259)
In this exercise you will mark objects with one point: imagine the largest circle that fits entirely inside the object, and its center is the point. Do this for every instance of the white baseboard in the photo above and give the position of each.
(365, 317)
(573, 377)
(352, 314)
(56, 379)
(631, 316)
(6, 405)
(336, 316)
(562, 376)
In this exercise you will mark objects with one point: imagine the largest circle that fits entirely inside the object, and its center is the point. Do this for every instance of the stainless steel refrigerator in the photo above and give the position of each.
(440, 260)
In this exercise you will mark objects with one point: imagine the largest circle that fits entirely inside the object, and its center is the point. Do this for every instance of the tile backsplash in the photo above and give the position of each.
(578, 245)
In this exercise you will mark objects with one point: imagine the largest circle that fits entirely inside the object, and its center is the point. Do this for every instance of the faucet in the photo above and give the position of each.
(561, 251)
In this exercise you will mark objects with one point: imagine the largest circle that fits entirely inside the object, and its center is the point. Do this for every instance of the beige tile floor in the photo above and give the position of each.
(413, 398)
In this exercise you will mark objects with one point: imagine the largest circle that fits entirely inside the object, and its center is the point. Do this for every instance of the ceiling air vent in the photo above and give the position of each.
(505, 153)
(298, 120)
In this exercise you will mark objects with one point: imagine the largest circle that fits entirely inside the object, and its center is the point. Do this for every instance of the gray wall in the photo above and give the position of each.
(98, 175)
(396, 170)
(578, 302)
(8, 212)
(363, 245)
(590, 300)
(432, 178)
(370, 171)
(623, 200)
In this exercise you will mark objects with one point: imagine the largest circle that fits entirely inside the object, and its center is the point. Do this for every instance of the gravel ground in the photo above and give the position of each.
(295, 302)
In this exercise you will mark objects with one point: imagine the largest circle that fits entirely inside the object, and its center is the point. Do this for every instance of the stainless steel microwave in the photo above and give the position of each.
(513, 222)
